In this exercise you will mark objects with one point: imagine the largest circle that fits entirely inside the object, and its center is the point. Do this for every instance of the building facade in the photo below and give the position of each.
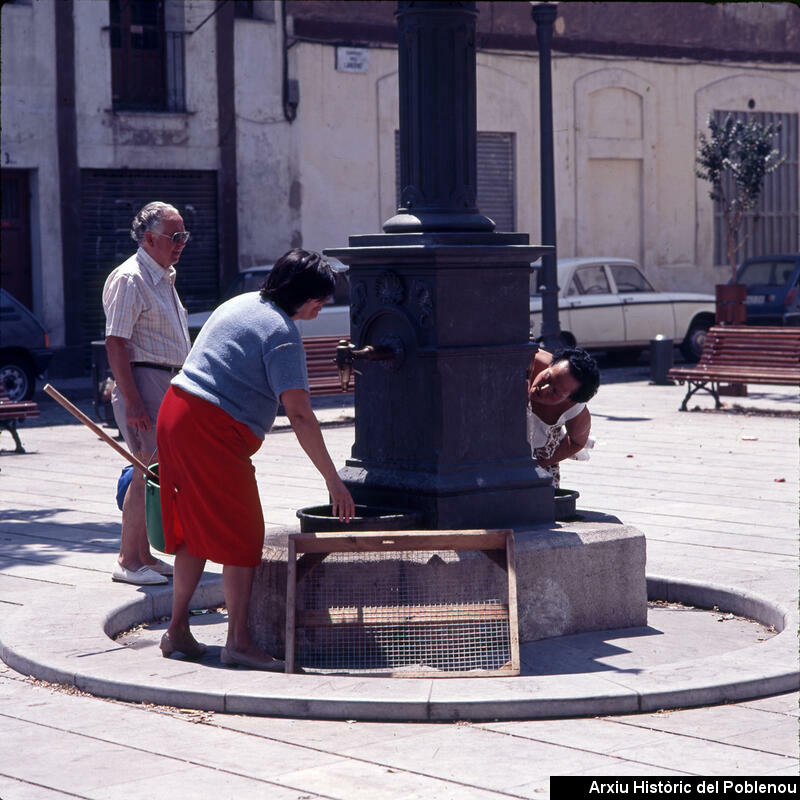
(274, 124)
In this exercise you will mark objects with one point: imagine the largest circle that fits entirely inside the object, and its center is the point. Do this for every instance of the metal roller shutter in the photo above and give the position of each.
(496, 177)
(109, 201)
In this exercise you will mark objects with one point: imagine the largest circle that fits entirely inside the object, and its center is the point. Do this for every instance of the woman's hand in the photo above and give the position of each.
(342, 504)
(306, 427)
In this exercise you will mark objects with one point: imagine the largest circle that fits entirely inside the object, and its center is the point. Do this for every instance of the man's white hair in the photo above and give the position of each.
(149, 218)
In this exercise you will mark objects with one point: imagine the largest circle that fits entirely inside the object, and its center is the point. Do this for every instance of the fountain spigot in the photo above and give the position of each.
(346, 354)
(344, 362)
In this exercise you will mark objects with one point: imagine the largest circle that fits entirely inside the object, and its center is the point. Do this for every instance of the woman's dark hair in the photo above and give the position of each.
(583, 368)
(298, 276)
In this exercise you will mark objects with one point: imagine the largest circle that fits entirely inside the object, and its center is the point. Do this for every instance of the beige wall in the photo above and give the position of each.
(625, 138)
(28, 141)
(269, 190)
(341, 138)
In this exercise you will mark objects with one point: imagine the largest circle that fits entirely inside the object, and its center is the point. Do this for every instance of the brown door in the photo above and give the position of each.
(15, 257)
(138, 77)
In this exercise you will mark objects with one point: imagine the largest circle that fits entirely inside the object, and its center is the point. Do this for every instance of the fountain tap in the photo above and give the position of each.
(347, 353)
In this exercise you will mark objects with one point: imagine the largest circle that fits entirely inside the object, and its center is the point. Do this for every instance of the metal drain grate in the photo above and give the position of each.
(407, 604)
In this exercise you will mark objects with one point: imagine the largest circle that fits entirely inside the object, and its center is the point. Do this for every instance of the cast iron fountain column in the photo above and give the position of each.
(438, 168)
(440, 426)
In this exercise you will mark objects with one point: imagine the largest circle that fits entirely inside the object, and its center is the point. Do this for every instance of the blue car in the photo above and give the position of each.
(772, 289)
(24, 348)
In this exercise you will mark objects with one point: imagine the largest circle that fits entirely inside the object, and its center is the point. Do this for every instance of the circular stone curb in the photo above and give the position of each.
(74, 648)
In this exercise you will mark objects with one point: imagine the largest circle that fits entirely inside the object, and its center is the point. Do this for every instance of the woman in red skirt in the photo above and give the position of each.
(247, 359)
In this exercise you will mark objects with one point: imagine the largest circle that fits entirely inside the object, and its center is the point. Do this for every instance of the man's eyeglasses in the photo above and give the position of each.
(179, 237)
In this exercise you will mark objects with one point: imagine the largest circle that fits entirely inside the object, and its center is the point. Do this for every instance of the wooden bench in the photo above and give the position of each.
(323, 377)
(14, 412)
(742, 354)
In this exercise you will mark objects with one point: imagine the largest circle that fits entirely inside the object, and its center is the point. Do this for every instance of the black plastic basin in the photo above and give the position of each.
(565, 503)
(316, 519)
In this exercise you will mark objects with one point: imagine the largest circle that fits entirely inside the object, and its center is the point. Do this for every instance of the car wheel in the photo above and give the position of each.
(692, 345)
(18, 379)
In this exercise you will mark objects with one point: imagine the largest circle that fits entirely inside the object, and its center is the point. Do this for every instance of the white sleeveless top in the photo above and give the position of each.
(540, 432)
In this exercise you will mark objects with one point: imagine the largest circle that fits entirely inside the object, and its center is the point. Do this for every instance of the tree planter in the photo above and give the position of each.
(731, 309)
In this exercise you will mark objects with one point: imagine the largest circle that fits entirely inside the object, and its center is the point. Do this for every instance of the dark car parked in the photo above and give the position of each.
(772, 289)
(24, 348)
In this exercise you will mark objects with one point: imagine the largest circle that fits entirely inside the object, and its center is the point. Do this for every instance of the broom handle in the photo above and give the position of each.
(76, 412)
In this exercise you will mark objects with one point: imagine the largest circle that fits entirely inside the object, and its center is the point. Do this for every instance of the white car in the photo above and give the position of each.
(608, 304)
(332, 320)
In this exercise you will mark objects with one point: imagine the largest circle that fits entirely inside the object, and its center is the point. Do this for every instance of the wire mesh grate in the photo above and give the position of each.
(408, 612)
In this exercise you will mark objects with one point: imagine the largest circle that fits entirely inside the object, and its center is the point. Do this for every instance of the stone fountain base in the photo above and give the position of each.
(572, 577)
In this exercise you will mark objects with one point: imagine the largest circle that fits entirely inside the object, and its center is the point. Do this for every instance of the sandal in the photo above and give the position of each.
(192, 649)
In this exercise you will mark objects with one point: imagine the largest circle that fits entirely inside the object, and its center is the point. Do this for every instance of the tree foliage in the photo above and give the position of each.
(735, 159)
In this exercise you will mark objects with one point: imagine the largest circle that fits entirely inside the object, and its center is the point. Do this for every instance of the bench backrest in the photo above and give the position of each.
(751, 345)
(16, 409)
(323, 376)
(321, 354)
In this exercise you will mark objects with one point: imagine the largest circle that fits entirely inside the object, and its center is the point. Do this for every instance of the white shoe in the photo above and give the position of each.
(161, 567)
(144, 576)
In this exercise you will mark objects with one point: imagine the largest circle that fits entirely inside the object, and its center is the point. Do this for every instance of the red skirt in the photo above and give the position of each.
(209, 496)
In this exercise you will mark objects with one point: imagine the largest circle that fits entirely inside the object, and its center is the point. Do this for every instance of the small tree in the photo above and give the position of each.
(734, 159)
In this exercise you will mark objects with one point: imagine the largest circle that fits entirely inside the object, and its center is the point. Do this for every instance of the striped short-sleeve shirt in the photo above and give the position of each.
(142, 306)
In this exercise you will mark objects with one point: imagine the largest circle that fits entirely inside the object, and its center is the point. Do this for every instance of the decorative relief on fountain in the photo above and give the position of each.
(395, 344)
(358, 302)
(421, 294)
(389, 288)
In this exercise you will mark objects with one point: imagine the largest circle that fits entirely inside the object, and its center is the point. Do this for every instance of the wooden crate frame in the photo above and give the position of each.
(497, 545)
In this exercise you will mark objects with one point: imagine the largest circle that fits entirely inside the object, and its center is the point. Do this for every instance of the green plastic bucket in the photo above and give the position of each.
(152, 506)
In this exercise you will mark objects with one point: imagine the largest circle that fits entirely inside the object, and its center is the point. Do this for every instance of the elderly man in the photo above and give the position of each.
(147, 340)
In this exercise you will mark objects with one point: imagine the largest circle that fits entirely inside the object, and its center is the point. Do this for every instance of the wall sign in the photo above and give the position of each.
(352, 59)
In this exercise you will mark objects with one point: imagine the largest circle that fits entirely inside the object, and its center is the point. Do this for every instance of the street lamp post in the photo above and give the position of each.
(544, 15)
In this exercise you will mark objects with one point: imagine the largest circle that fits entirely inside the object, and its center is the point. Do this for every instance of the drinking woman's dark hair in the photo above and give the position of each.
(584, 369)
(298, 276)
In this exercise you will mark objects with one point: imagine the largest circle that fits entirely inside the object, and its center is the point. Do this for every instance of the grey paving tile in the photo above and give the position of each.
(471, 754)
(14, 789)
(706, 758)
(669, 531)
(173, 737)
(620, 767)
(792, 770)
(200, 782)
(356, 780)
(73, 762)
(214, 747)
(450, 792)
(331, 735)
(717, 723)
(601, 736)
(40, 571)
(780, 737)
(780, 704)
